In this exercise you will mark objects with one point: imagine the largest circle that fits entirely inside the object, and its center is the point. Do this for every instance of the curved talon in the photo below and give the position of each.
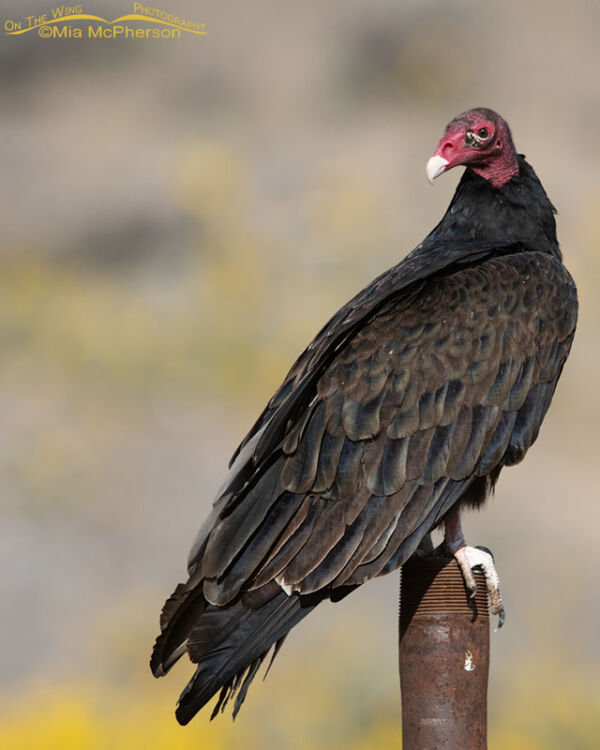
(501, 615)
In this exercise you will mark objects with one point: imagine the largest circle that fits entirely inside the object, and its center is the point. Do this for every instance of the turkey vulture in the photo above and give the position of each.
(403, 410)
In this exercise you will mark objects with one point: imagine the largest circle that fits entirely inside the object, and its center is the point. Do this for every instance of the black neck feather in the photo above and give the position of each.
(518, 211)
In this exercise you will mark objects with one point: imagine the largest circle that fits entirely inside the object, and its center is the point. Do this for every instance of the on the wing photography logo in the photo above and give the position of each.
(72, 22)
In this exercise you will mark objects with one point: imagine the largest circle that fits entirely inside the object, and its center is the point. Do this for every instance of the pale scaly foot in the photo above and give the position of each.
(473, 557)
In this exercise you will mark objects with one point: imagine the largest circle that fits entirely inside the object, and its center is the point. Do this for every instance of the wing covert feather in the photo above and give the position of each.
(424, 397)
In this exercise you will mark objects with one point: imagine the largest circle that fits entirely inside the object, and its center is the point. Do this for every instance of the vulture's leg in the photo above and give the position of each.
(473, 557)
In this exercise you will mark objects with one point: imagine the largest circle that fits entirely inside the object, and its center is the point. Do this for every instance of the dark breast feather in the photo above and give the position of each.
(388, 417)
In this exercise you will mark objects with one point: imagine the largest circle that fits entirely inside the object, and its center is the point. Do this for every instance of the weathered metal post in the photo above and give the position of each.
(444, 657)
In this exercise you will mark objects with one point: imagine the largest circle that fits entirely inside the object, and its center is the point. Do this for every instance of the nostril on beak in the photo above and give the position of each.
(446, 148)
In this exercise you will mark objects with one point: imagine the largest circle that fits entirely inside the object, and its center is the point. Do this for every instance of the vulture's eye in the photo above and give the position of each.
(483, 132)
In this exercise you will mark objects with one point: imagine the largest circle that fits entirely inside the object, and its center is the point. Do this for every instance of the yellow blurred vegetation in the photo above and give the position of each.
(548, 709)
(240, 302)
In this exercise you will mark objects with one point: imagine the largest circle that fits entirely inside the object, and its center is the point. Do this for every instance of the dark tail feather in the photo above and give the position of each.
(230, 643)
(179, 615)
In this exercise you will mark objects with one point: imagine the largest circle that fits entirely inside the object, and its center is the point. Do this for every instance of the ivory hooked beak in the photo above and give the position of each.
(435, 166)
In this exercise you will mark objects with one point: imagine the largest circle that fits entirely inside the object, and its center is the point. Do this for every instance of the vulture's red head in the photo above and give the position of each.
(480, 140)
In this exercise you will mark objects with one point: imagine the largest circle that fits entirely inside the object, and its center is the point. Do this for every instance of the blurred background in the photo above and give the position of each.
(179, 217)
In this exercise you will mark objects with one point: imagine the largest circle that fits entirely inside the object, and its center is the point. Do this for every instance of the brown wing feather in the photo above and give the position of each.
(421, 400)
(401, 284)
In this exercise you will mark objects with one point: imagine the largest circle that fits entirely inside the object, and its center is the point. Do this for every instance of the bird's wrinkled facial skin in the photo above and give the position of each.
(478, 139)
(480, 135)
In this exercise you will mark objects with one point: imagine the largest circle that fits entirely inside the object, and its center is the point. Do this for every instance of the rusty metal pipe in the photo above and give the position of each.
(444, 658)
